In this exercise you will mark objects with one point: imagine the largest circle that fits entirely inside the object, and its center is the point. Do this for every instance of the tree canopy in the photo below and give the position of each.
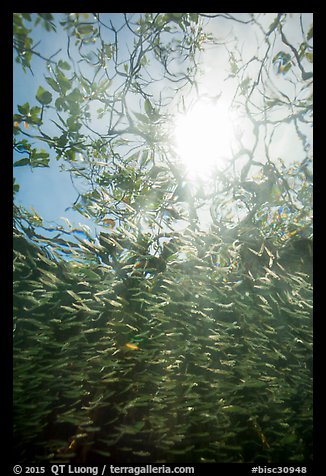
(181, 330)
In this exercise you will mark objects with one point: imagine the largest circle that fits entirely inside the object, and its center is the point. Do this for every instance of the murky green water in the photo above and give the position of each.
(194, 361)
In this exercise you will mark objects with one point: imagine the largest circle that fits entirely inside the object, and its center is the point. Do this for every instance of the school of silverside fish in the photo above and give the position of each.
(201, 355)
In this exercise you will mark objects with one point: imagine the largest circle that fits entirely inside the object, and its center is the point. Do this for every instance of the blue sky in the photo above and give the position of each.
(47, 190)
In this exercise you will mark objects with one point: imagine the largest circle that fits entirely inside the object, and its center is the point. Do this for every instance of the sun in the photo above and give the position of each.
(203, 136)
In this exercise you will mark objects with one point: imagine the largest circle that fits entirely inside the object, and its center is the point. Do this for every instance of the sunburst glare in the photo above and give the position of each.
(204, 136)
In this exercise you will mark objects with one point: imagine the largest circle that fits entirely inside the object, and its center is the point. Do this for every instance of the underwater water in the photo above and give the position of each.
(199, 356)
(173, 323)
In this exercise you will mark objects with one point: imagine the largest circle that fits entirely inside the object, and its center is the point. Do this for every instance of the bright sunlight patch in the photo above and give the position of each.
(203, 136)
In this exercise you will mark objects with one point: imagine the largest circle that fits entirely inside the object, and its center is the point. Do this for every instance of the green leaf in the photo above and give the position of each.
(35, 111)
(74, 108)
(24, 109)
(85, 29)
(193, 17)
(244, 85)
(73, 125)
(273, 25)
(148, 107)
(27, 16)
(43, 96)
(21, 162)
(141, 117)
(309, 56)
(64, 65)
(176, 16)
(62, 140)
(60, 104)
(42, 155)
(63, 81)
(74, 98)
(144, 157)
(15, 186)
(310, 33)
(75, 95)
(109, 50)
(71, 154)
(54, 85)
